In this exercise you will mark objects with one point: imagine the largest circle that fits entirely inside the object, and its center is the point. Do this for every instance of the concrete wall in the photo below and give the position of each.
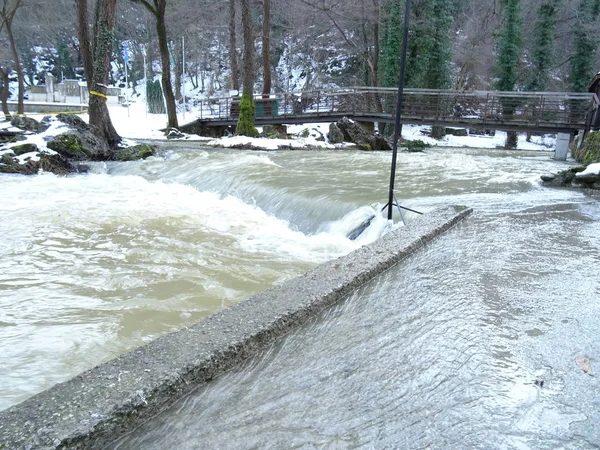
(100, 405)
(43, 107)
(69, 91)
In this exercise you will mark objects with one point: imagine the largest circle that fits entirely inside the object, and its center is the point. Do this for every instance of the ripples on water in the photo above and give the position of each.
(443, 351)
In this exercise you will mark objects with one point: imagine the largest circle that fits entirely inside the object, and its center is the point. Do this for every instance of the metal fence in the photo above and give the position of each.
(541, 109)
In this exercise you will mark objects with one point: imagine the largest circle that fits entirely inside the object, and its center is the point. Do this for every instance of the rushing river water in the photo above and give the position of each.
(442, 351)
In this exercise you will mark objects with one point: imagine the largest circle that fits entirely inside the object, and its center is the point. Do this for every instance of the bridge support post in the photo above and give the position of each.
(562, 146)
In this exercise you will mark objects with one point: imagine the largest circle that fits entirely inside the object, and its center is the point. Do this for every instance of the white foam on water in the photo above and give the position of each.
(97, 199)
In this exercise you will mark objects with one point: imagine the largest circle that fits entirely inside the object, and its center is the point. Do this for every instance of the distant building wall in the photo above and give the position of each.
(69, 91)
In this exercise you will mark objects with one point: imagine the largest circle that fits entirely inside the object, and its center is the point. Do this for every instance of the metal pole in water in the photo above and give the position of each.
(398, 129)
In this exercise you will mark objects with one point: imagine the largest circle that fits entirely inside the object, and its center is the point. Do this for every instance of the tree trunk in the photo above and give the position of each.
(512, 140)
(266, 47)
(376, 49)
(233, 56)
(245, 124)
(85, 49)
(248, 75)
(18, 68)
(103, 25)
(163, 45)
(5, 92)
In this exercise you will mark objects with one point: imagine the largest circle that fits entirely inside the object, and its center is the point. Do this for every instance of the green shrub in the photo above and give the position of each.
(591, 148)
(415, 145)
(245, 125)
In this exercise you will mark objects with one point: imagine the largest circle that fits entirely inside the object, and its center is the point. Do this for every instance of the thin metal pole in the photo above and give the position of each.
(183, 73)
(398, 129)
(145, 78)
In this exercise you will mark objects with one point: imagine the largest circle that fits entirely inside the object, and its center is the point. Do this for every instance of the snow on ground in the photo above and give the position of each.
(39, 139)
(592, 169)
(413, 132)
(134, 123)
(138, 125)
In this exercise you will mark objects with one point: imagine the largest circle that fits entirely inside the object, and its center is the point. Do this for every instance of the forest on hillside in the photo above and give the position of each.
(457, 44)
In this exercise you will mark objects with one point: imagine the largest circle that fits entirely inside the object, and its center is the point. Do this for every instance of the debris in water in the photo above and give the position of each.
(539, 383)
(362, 227)
(584, 364)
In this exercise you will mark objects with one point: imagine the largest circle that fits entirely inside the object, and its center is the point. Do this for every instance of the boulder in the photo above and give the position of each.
(353, 132)
(70, 146)
(457, 132)
(9, 137)
(24, 148)
(570, 178)
(8, 159)
(141, 151)
(50, 163)
(27, 124)
(174, 133)
(75, 122)
(336, 136)
(95, 148)
(274, 132)
(56, 164)
(589, 178)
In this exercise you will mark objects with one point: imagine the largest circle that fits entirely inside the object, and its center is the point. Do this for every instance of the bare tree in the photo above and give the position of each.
(5, 92)
(233, 56)
(85, 46)
(249, 51)
(96, 60)
(266, 47)
(7, 14)
(158, 8)
(245, 124)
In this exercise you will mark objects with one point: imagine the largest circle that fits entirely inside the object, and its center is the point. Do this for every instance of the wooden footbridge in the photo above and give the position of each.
(538, 112)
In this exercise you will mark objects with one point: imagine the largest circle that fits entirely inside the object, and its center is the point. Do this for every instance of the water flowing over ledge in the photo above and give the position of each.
(101, 404)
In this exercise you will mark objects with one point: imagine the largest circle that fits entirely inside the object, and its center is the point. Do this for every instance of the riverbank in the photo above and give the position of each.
(62, 144)
(136, 124)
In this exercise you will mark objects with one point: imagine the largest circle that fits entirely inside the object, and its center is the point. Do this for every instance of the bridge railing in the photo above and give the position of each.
(439, 106)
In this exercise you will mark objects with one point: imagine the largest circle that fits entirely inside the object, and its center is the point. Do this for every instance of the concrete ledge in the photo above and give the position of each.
(101, 404)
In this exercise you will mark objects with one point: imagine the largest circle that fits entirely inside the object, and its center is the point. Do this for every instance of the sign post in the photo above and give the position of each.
(126, 59)
(183, 73)
(145, 78)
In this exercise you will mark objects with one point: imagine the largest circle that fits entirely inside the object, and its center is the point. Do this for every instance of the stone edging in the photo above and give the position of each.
(98, 406)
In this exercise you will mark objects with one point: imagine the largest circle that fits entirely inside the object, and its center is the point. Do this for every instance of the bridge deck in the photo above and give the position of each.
(549, 112)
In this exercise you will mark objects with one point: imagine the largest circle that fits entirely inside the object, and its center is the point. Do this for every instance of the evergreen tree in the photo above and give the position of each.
(437, 74)
(63, 67)
(584, 46)
(391, 42)
(542, 52)
(509, 46)
(420, 44)
(509, 57)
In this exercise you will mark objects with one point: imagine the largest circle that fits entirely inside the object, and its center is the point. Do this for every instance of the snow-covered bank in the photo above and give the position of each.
(415, 132)
(136, 124)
